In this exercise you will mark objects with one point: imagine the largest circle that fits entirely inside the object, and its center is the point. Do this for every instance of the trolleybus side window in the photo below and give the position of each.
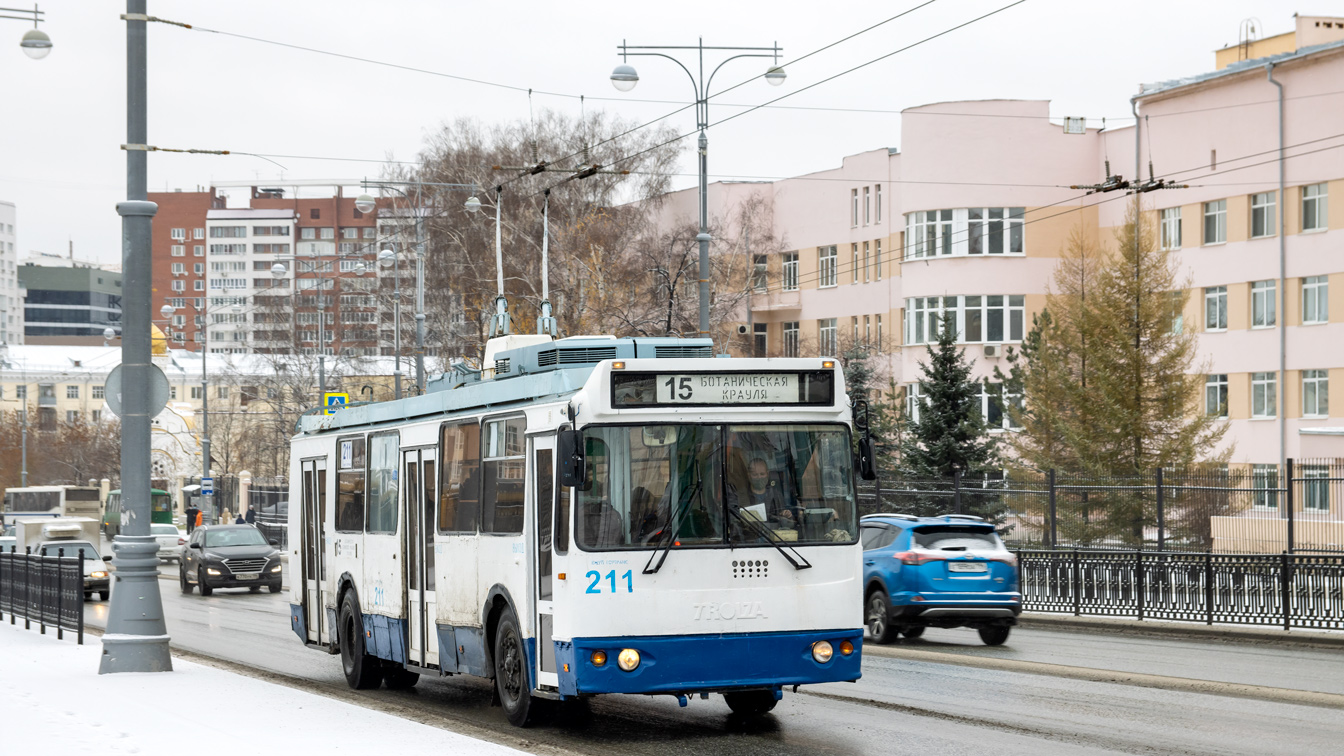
(384, 451)
(561, 540)
(459, 470)
(428, 535)
(505, 461)
(350, 485)
(545, 484)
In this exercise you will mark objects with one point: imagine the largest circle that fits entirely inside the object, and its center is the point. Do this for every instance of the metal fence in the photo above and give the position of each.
(1288, 590)
(270, 500)
(1265, 509)
(43, 589)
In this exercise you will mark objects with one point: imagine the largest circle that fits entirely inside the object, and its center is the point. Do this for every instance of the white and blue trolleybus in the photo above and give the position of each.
(588, 515)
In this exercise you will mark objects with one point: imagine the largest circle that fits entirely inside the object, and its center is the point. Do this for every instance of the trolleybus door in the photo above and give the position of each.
(543, 502)
(313, 563)
(421, 477)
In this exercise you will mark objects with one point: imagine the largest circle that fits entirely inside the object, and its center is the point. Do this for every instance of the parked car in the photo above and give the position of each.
(96, 578)
(171, 541)
(948, 571)
(229, 556)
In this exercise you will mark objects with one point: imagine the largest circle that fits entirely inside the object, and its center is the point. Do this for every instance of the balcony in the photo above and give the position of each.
(776, 301)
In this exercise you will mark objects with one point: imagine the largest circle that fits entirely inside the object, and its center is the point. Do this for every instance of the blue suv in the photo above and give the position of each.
(948, 571)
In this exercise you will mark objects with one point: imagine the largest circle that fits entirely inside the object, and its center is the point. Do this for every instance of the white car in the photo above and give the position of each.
(171, 541)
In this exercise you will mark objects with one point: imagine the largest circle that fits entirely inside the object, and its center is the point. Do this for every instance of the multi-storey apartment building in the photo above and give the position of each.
(242, 247)
(11, 291)
(178, 269)
(966, 222)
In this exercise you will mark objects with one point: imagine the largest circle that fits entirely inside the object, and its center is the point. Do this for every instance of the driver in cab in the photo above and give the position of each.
(764, 496)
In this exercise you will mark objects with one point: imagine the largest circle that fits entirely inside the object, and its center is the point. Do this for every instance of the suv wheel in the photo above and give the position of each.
(206, 590)
(182, 578)
(994, 635)
(877, 616)
(913, 632)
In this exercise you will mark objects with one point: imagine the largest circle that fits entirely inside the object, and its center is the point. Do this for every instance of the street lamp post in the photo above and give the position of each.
(624, 78)
(388, 257)
(136, 638)
(35, 43)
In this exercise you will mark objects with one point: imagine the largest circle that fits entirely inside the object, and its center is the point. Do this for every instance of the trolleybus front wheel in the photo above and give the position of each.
(511, 674)
(750, 703)
(362, 671)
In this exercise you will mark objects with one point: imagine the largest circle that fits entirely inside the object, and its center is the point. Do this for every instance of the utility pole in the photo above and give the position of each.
(136, 639)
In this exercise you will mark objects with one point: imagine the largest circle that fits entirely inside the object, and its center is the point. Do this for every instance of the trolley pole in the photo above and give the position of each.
(136, 639)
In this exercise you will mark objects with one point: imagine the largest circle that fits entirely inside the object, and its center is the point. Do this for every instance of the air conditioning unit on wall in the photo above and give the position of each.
(741, 329)
(993, 350)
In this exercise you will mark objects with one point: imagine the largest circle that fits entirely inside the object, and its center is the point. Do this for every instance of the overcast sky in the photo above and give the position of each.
(63, 118)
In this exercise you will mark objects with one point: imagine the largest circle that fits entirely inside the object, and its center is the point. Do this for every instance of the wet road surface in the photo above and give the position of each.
(899, 706)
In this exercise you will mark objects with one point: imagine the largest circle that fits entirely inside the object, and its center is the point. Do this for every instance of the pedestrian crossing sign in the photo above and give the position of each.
(332, 401)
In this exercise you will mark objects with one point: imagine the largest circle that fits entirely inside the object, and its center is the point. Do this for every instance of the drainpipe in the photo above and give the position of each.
(1282, 287)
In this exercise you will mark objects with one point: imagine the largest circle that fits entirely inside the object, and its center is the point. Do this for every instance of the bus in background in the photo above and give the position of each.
(160, 510)
(592, 515)
(50, 501)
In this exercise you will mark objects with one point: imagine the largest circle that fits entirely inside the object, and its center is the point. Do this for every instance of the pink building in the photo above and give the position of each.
(969, 217)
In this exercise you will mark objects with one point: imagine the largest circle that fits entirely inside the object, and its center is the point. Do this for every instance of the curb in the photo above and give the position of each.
(1184, 630)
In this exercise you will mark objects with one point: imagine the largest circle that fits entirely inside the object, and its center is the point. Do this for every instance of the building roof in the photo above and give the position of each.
(177, 364)
(1148, 90)
(250, 214)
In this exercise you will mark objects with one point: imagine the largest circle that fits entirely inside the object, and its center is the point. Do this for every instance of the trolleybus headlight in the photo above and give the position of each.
(628, 659)
(846, 648)
(821, 651)
(599, 658)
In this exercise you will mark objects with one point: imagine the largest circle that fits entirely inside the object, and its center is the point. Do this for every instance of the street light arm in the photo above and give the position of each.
(694, 84)
(710, 83)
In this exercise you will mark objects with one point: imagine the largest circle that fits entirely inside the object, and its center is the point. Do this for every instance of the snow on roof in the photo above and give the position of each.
(178, 364)
(1242, 66)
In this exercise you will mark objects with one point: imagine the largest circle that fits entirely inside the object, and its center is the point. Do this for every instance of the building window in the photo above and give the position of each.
(1171, 228)
(179, 269)
(1215, 308)
(96, 415)
(1265, 485)
(328, 233)
(1315, 393)
(853, 331)
(179, 285)
(228, 250)
(370, 232)
(179, 250)
(99, 392)
(867, 329)
(199, 285)
(72, 392)
(72, 416)
(877, 203)
(826, 259)
(867, 207)
(1262, 214)
(178, 234)
(199, 268)
(790, 336)
(349, 233)
(759, 334)
(21, 392)
(877, 260)
(1215, 222)
(1316, 488)
(195, 392)
(1262, 304)
(1264, 402)
(826, 337)
(854, 263)
(969, 231)
(758, 272)
(198, 250)
(1215, 395)
(854, 207)
(179, 321)
(228, 232)
(315, 213)
(790, 271)
(879, 331)
(1315, 300)
(928, 234)
(914, 400)
(865, 262)
(975, 319)
(994, 405)
(307, 233)
(1314, 209)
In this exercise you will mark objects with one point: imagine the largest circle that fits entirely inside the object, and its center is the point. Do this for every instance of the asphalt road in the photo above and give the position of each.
(900, 705)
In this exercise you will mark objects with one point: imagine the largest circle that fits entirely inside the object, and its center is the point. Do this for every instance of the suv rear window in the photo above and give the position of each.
(953, 538)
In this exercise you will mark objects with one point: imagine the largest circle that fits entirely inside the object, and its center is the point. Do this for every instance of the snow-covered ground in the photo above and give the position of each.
(53, 701)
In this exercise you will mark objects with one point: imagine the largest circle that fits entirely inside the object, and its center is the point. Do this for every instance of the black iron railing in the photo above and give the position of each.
(1287, 590)
(43, 589)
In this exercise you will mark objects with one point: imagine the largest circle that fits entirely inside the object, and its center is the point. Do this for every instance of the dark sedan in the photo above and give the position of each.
(230, 556)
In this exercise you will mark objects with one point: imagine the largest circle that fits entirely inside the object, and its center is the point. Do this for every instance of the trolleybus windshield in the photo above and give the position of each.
(786, 483)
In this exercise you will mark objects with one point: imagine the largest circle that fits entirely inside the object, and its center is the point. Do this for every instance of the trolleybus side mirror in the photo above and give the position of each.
(867, 468)
(573, 467)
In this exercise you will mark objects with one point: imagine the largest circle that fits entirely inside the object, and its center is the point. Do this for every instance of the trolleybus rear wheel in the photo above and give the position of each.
(362, 671)
(750, 703)
(397, 677)
(511, 674)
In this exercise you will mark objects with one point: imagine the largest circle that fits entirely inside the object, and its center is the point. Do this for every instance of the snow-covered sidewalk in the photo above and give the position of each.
(53, 701)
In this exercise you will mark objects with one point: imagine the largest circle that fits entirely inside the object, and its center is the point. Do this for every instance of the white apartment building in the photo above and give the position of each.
(11, 295)
(242, 245)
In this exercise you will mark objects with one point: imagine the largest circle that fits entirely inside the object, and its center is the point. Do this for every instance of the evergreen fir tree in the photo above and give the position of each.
(949, 435)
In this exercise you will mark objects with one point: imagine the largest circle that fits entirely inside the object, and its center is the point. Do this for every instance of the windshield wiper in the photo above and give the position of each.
(800, 563)
(670, 531)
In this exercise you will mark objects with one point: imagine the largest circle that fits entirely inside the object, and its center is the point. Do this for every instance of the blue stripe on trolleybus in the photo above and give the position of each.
(384, 637)
(693, 663)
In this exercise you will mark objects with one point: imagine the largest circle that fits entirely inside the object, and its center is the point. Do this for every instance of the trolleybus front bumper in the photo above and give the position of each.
(706, 663)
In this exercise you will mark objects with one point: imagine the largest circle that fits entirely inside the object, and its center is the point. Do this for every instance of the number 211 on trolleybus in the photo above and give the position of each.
(593, 515)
